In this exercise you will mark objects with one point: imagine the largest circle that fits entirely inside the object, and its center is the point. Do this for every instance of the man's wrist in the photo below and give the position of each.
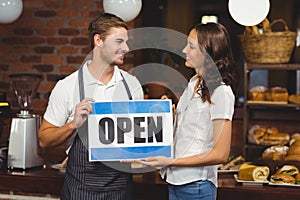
(72, 125)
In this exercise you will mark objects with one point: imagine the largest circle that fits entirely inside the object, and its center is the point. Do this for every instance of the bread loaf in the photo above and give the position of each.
(294, 98)
(257, 93)
(279, 94)
(276, 153)
(292, 157)
(267, 136)
(277, 137)
(295, 138)
(293, 153)
(294, 150)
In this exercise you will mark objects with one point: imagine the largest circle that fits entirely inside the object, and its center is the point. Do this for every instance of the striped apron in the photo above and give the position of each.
(86, 180)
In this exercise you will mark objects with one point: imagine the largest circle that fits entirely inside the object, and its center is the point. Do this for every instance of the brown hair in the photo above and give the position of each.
(102, 25)
(214, 41)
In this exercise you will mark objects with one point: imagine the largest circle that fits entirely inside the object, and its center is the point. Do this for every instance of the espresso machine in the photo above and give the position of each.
(23, 148)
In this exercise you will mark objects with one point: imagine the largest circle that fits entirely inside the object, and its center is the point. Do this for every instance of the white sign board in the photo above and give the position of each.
(128, 130)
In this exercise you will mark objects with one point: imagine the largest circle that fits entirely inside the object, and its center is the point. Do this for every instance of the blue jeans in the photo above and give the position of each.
(204, 190)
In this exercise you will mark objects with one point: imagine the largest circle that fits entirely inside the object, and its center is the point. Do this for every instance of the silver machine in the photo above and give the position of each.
(23, 148)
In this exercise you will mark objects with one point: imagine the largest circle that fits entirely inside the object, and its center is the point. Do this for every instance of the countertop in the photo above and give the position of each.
(146, 186)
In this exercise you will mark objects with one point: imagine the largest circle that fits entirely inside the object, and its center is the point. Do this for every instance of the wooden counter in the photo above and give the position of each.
(40, 181)
(48, 182)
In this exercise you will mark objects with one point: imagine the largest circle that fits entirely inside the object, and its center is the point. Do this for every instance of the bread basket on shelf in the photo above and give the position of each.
(269, 46)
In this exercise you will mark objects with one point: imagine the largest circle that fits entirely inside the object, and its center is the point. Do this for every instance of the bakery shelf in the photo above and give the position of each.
(255, 111)
(272, 104)
(256, 146)
(285, 66)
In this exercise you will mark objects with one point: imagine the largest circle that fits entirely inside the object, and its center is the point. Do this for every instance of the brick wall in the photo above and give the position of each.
(50, 39)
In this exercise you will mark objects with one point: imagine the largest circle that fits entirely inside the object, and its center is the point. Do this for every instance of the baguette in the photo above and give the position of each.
(277, 137)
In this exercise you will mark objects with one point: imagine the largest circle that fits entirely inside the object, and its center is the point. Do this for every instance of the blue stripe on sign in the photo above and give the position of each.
(129, 152)
(128, 107)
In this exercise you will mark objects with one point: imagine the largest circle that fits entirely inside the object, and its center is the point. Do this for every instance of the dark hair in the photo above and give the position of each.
(214, 41)
(102, 25)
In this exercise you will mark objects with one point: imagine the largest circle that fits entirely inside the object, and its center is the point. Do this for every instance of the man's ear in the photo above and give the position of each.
(98, 40)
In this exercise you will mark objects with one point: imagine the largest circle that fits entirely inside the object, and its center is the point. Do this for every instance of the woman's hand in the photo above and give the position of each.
(82, 111)
(157, 161)
(164, 97)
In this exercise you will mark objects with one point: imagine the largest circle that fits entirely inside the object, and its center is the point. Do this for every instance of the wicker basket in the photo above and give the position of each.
(269, 47)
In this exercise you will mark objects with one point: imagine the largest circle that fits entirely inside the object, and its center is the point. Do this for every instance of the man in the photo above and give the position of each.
(65, 120)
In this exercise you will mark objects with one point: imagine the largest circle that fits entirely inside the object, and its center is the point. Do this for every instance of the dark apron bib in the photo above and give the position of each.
(93, 180)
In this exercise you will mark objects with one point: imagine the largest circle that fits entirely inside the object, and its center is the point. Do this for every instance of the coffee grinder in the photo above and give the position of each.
(23, 148)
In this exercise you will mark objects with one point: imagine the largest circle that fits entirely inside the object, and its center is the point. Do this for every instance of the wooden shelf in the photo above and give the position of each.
(284, 66)
(272, 104)
(267, 112)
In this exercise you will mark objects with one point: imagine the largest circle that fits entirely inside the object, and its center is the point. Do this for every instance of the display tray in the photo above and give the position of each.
(286, 184)
(228, 170)
(257, 183)
(268, 102)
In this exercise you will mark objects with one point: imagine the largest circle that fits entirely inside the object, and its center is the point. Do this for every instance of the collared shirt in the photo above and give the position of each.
(194, 131)
(65, 95)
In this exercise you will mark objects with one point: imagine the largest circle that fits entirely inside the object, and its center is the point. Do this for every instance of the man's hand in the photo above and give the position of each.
(82, 111)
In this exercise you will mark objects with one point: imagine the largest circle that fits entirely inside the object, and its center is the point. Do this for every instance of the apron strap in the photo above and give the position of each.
(82, 131)
(126, 87)
(81, 83)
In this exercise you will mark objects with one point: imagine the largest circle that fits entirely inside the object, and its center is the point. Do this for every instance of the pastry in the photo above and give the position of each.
(248, 172)
(288, 170)
(282, 179)
(297, 179)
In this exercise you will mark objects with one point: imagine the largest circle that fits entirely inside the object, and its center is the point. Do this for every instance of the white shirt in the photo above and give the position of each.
(194, 131)
(65, 95)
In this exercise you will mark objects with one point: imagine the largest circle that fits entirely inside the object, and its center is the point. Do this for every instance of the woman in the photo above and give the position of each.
(203, 117)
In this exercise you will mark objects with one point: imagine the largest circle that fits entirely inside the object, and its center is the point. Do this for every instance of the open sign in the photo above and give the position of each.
(133, 129)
